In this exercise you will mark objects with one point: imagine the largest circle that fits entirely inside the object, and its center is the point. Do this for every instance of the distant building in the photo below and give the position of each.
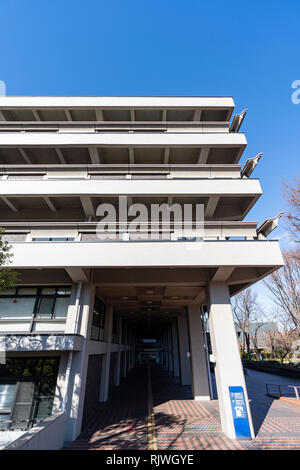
(259, 335)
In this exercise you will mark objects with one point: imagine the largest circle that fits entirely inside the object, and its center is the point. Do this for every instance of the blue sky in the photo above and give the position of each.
(248, 50)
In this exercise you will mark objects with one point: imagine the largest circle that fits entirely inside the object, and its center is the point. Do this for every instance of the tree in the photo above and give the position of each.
(292, 196)
(8, 277)
(246, 314)
(284, 286)
(283, 342)
(270, 335)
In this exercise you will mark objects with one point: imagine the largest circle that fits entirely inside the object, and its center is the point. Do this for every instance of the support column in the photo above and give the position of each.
(198, 355)
(166, 350)
(228, 369)
(118, 362)
(124, 371)
(129, 349)
(104, 385)
(74, 366)
(175, 349)
(170, 350)
(184, 350)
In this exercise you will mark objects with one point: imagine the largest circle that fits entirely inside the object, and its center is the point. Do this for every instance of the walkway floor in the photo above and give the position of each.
(182, 423)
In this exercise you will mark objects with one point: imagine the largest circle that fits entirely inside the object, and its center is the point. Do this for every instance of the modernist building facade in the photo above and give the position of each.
(72, 325)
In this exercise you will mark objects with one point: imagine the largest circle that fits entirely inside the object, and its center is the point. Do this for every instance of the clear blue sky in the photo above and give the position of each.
(248, 50)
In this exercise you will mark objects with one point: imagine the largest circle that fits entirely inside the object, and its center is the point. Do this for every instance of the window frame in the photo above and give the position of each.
(39, 296)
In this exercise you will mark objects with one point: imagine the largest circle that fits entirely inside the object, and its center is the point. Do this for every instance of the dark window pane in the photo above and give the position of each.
(45, 306)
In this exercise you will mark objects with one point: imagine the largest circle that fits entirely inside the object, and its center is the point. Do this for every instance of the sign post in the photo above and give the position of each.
(239, 412)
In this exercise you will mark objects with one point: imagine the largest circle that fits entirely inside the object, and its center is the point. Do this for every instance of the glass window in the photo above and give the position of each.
(48, 301)
(7, 396)
(27, 390)
(8, 292)
(27, 291)
(7, 399)
(16, 307)
(61, 307)
(63, 291)
(97, 331)
(54, 239)
(45, 306)
(48, 290)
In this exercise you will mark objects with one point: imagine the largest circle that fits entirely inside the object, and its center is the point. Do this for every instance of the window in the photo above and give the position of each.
(97, 333)
(54, 239)
(37, 302)
(27, 390)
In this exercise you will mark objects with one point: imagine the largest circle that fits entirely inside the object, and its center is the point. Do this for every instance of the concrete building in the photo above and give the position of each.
(71, 327)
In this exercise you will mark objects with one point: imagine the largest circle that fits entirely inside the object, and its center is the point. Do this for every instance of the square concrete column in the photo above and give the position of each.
(124, 371)
(228, 369)
(184, 350)
(104, 385)
(175, 349)
(73, 369)
(170, 349)
(119, 354)
(200, 379)
(129, 350)
(166, 350)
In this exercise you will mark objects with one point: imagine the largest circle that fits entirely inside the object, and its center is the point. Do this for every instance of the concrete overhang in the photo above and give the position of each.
(112, 108)
(204, 187)
(207, 254)
(223, 198)
(119, 139)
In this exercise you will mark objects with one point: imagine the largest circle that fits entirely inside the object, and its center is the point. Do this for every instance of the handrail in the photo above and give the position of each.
(99, 126)
(126, 167)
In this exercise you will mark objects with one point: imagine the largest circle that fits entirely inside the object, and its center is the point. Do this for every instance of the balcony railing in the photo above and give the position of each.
(119, 171)
(99, 232)
(115, 126)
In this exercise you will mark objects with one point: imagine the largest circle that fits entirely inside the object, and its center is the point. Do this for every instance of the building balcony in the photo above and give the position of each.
(115, 126)
(118, 171)
(155, 253)
(141, 147)
(116, 108)
(223, 199)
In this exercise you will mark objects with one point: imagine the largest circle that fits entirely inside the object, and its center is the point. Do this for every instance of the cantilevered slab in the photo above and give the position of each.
(121, 139)
(116, 102)
(254, 253)
(205, 187)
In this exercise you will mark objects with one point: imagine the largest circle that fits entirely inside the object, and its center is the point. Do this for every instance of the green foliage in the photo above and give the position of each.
(8, 277)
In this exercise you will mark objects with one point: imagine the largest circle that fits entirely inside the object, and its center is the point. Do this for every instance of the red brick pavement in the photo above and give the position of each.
(180, 422)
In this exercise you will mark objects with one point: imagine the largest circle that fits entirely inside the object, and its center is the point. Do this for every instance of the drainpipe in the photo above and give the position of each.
(67, 378)
(206, 353)
(77, 307)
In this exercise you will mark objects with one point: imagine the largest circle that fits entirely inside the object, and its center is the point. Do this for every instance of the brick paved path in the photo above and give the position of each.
(122, 422)
(182, 423)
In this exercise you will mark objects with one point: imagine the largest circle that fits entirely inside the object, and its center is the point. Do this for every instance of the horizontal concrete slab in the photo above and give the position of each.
(232, 187)
(258, 253)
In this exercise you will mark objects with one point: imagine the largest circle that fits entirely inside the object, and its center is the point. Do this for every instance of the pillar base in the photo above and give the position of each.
(202, 398)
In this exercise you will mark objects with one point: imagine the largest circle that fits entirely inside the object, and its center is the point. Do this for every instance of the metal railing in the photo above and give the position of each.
(278, 390)
(114, 126)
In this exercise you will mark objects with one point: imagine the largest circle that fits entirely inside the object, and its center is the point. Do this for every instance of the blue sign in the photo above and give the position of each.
(239, 412)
